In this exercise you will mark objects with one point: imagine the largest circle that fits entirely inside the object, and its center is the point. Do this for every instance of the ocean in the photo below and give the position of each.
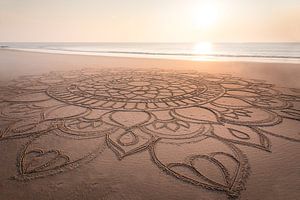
(253, 52)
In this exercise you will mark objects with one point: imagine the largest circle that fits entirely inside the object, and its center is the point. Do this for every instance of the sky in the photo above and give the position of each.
(149, 21)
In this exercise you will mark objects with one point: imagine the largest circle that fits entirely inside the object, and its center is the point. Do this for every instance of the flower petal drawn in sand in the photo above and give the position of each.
(193, 124)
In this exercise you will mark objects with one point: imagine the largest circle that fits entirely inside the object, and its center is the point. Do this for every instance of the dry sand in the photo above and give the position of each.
(91, 127)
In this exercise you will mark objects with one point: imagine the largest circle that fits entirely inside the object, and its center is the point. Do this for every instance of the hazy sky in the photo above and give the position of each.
(150, 20)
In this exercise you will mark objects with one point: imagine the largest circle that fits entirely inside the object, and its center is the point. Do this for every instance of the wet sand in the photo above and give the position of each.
(91, 127)
(14, 63)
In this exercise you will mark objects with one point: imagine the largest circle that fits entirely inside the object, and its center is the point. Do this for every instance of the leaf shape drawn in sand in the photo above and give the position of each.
(127, 142)
(51, 154)
(209, 163)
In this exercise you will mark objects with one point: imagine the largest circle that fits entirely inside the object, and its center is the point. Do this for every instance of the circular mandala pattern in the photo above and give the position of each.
(137, 91)
(183, 119)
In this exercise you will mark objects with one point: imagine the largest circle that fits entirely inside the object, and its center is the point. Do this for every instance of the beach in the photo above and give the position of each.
(104, 127)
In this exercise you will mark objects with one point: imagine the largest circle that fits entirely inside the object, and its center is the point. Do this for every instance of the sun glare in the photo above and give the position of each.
(203, 48)
(206, 15)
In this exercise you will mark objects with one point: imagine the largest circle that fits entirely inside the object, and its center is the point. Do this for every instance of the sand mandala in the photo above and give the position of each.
(192, 124)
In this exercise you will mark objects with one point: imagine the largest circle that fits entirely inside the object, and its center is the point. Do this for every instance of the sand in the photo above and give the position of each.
(92, 127)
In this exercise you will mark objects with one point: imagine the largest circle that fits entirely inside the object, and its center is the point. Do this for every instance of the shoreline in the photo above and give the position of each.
(14, 63)
(168, 56)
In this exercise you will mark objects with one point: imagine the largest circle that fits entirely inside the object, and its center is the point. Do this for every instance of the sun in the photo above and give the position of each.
(206, 15)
